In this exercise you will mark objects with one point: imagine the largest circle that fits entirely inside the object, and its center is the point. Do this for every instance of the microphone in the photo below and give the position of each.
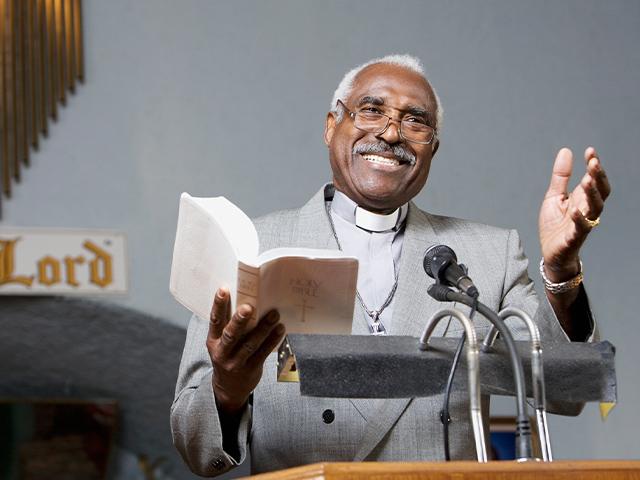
(440, 263)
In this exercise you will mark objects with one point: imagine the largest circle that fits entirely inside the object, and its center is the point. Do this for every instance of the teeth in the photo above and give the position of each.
(382, 160)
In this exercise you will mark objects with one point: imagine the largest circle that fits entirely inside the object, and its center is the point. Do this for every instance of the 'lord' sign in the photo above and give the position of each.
(56, 261)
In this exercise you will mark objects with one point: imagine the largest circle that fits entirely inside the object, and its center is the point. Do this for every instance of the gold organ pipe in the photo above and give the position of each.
(41, 58)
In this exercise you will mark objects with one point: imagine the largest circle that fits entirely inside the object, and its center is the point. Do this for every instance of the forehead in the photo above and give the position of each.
(396, 85)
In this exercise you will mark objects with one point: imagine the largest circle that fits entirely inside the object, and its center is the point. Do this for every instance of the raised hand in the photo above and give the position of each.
(238, 351)
(567, 218)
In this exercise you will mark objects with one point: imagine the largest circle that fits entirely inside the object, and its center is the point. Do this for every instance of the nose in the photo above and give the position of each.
(391, 134)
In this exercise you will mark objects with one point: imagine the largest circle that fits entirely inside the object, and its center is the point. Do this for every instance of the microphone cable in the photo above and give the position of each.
(445, 418)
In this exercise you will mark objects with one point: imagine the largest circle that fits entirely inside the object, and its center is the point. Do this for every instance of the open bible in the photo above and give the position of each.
(217, 245)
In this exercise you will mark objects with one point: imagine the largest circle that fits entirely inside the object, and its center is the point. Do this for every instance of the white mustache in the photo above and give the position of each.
(398, 151)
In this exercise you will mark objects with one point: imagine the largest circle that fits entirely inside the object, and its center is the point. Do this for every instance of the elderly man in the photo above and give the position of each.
(382, 134)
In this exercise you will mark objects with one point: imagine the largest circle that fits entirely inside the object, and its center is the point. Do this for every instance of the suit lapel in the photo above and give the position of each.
(313, 229)
(367, 407)
(379, 424)
(413, 306)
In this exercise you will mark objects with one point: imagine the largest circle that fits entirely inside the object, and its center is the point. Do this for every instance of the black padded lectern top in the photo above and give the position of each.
(354, 366)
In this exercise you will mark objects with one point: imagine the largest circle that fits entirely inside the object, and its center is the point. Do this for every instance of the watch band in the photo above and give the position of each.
(561, 287)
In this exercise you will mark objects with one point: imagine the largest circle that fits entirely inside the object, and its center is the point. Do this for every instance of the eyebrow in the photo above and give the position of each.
(412, 109)
(368, 99)
(417, 111)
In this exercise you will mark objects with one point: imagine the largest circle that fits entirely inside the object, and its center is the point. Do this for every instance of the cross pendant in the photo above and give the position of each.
(376, 327)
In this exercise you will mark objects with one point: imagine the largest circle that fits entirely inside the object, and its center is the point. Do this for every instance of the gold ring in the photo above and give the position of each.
(592, 223)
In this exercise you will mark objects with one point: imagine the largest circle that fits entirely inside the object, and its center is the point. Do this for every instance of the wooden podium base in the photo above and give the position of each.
(502, 470)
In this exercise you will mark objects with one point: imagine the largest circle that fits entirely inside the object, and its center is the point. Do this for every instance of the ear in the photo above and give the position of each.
(329, 127)
(436, 144)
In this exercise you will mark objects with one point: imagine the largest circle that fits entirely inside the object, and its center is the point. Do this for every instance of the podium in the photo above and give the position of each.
(396, 367)
(561, 470)
(406, 367)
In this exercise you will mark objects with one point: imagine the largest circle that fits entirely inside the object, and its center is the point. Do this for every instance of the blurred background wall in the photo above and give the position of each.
(229, 98)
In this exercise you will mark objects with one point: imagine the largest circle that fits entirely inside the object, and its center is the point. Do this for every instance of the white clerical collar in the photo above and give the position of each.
(364, 219)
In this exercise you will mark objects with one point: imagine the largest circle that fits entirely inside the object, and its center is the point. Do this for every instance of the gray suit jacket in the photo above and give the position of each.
(284, 429)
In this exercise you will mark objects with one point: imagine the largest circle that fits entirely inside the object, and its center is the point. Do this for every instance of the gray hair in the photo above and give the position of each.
(407, 61)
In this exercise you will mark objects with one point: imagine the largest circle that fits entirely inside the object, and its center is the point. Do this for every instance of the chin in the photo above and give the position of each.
(382, 200)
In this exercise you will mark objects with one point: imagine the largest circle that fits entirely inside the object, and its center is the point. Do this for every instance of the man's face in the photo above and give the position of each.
(381, 184)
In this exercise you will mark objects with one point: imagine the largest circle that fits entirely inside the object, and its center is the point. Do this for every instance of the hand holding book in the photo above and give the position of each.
(238, 350)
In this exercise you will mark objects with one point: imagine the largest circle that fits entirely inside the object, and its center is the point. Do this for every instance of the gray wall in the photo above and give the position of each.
(229, 99)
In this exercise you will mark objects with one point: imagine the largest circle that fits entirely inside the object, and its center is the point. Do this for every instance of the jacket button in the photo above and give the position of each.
(328, 416)
(218, 464)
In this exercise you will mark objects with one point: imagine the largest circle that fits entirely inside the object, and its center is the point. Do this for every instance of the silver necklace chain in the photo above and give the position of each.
(377, 327)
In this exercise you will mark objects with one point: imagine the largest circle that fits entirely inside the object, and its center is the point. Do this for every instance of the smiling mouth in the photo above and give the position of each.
(381, 160)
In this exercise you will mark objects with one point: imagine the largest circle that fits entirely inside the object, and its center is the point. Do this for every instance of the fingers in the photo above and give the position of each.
(219, 313)
(239, 346)
(582, 225)
(593, 202)
(235, 330)
(232, 340)
(561, 173)
(271, 342)
(589, 196)
(255, 339)
(595, 170)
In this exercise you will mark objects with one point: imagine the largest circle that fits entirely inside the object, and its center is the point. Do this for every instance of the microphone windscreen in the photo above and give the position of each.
(434, 256)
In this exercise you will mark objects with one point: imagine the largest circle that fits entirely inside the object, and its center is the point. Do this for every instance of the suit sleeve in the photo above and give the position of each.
(195, 424)
(519, 291)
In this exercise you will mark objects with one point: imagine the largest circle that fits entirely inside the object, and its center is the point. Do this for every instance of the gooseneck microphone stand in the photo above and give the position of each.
(537, 374)
(473, 368)
(443, 293)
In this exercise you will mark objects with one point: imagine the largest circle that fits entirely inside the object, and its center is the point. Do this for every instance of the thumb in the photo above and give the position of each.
(561, 173)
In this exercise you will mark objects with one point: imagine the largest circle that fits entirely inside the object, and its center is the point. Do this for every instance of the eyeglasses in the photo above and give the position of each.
(411, 130)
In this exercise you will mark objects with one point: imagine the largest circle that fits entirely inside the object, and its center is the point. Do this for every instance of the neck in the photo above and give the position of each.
(378, 210)
(384, 211)
(365, 218)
